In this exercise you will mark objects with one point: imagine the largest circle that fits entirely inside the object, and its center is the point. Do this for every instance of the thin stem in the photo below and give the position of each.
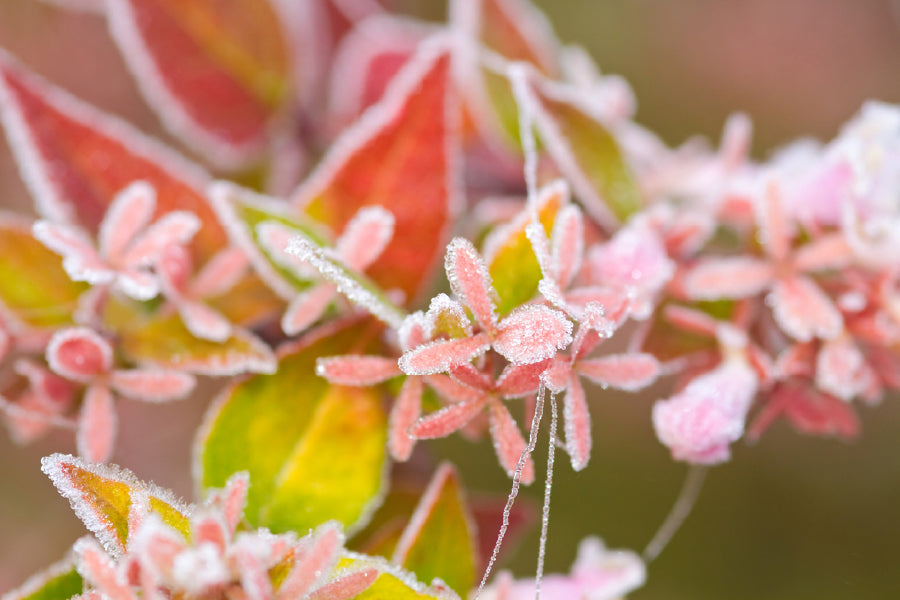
(545, 514)
(517, 479)
(685, 502)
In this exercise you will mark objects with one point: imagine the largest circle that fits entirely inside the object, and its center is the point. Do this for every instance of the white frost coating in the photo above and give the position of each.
(532, 333)
(50, 200)
(443, 306)
(331, 269)
(153, 86)
(467, 283)
(54, 467)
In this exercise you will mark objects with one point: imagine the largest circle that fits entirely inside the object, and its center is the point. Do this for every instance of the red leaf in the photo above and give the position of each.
(75, 159)
(401, 155)
(215, 72)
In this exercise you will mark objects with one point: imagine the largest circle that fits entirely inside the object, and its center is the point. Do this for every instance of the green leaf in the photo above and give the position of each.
(102, 495)
(392, 583)
(58, 582)
(514, 269)
(314, 451)
(163, 341)
(33, 285)
(587, 154)
(440, 538)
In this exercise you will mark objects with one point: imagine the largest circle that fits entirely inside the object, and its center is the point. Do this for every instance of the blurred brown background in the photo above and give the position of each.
(790, 518)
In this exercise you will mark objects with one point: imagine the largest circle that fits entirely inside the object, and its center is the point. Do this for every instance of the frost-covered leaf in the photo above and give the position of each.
(803, 310)
(216, 73)
(514, 269)
(532, 333)
(735, 277)
(587, 154)
(439, 540)
(164, 342)
(393, 583)
(75, 159)
(401, 155)
(102, 495)
(33, 286)
(315, 451)
(58, 582)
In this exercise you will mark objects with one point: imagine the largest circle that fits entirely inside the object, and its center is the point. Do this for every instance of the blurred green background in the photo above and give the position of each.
(791, 518)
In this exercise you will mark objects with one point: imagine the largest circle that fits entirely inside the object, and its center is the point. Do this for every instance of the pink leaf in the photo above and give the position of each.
(508, 442)
(404, 414)
(467, 375)
(346, 585)
(520, 380)
(568, 244)
(774, 224)
(203, 321)
(220, 274)
(97, 568)
(803, 310)
(629, 372)
(700, 422)
(470, 281)
(365, 237)
(79, 353)
(827, 252)
(689, 319)
(357, 370)
(635, 258)
(577, 425)
(97, 424)
(173, 228)
(436, 357)
(447, 420)
(532, 333)
(737, 277)
(318, 559)
(131, 211)
(152, 386)
(231, 499)
(307, 308)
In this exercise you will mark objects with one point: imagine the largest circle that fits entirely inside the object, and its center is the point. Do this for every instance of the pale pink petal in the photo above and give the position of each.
(79, 353)
(532, 333)
(699, 423)
(99, 569)
(346, 585)
(174, 267)
(577, 425)
(365, 237)
(470, 281)
(97, 424)
(445, 421)
(140, 285)
(221, 273)
(129, 213)
(152, 385)
(436, 357)
(173, 228)
(307, 308)
(841, 369)
(204, 322)
(803, 310)
(692, 320)
(737, 277)
(568, 244)
(520, 380)
(508, 442)
(316, 563)
(469, 376)
(629, 372)
(774, 225)
(826, 252)
(357, 370)
(80, 260)
(156, 543)
(404, 414)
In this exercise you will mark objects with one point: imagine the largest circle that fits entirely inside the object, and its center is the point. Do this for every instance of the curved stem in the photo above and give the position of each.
(685, 502)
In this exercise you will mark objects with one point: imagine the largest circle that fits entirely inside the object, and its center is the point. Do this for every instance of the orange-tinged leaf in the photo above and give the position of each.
(163, 341)
(102, 495)
(33, 286)
(75, 159)
(216, 72)
(586, 153)
(514, 268)
(439, 540)
(314, 451)
(402, 155)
